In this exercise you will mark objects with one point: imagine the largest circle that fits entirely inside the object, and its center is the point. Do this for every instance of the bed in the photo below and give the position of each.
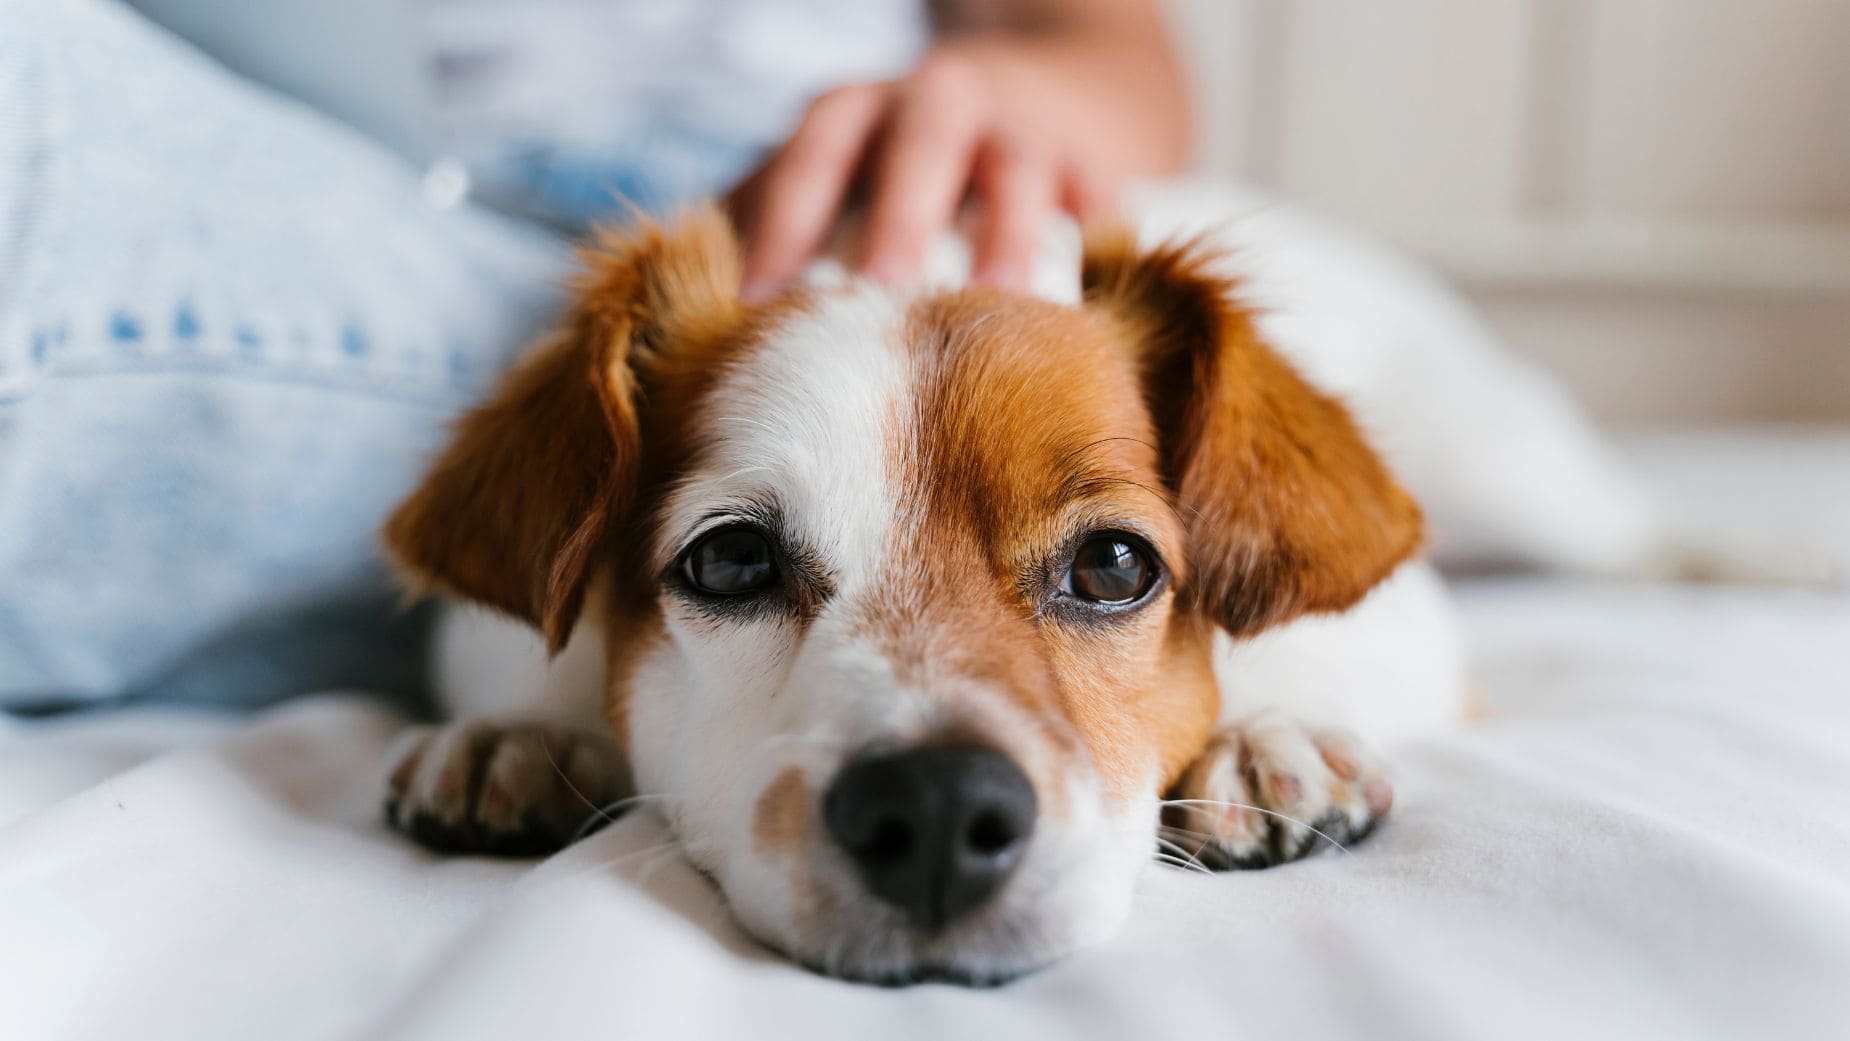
(1648, 837)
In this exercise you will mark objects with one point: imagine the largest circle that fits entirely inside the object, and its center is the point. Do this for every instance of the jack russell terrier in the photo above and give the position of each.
(926, 618)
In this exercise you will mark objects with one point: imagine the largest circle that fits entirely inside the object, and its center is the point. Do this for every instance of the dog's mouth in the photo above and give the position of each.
(980, 966)
(934, 865)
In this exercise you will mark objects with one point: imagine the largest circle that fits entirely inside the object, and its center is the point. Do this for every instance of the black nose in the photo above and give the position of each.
(934, 830)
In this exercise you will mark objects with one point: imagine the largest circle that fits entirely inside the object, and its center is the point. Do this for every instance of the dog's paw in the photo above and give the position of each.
(1268, 790)
(512, 789)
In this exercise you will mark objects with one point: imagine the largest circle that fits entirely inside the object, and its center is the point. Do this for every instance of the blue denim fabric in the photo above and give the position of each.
(571, 186)
(231, 334)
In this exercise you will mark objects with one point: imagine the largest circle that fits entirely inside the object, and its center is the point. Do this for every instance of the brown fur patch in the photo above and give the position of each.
(1290, 510)
(568, 457)
(780, 822)
(517, 507)
(1029, 433)
(632, 625)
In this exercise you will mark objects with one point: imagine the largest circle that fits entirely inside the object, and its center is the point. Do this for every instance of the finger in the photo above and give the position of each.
(742, 201)
(1018, 190)
(795, 198)
(922, 170)
(1087, 193)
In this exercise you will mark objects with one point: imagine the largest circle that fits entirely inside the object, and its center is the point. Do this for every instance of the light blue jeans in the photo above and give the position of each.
(231, 333)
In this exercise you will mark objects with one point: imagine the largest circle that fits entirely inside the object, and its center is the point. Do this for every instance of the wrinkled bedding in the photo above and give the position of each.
(1649, 837)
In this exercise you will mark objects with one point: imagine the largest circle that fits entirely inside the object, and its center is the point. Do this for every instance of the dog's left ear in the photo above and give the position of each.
(1288, 510)
(516, 508)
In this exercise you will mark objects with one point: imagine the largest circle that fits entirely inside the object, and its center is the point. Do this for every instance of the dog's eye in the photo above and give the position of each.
(1110, 569)
(729, 562)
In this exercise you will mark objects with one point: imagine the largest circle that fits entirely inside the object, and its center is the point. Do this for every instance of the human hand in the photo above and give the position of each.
(1022, 127)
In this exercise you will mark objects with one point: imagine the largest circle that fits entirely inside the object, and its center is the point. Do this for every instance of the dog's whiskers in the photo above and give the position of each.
(660, 847)
(560, 770)
(611, 811)
(1325, 836)
(672, 845)
(663, 855)
(1177, 862)
(1182, 858)
(606, 813)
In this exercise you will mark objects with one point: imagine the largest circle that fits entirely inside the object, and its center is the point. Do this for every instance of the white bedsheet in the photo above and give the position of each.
(1649, 839)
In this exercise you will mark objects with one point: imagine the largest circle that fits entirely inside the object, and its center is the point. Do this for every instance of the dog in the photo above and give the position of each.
(928, 618)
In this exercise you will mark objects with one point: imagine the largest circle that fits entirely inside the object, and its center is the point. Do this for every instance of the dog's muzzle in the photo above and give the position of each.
(933, 831)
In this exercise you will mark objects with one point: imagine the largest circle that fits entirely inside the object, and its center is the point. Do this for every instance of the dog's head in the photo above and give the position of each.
(908, 600)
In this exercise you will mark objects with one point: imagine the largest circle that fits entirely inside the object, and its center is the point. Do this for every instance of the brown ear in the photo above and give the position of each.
(1288, 510)
(518, 505)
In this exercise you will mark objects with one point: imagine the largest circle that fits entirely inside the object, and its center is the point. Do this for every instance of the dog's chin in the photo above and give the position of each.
(863, 941)
(902, 958)
(928, 974)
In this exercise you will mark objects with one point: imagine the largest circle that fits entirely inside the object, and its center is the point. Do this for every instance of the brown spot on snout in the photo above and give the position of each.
(782, 818)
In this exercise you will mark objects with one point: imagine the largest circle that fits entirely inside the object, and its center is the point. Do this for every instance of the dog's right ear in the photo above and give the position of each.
(516, 508)
(1287, 507)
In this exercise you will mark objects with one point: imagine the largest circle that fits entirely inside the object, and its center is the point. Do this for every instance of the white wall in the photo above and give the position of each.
(1650, 196)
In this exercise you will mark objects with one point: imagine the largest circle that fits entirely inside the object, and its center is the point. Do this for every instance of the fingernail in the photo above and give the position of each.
(1010, 277)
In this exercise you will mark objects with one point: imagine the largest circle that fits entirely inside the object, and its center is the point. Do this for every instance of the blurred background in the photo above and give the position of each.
(1650, 197)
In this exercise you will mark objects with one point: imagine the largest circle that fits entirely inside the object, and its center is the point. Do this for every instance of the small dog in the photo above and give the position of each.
(925, 617)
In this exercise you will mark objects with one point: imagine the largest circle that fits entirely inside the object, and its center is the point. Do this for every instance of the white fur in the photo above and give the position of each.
(809, 419)
(487, 665)
(1390, 668)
